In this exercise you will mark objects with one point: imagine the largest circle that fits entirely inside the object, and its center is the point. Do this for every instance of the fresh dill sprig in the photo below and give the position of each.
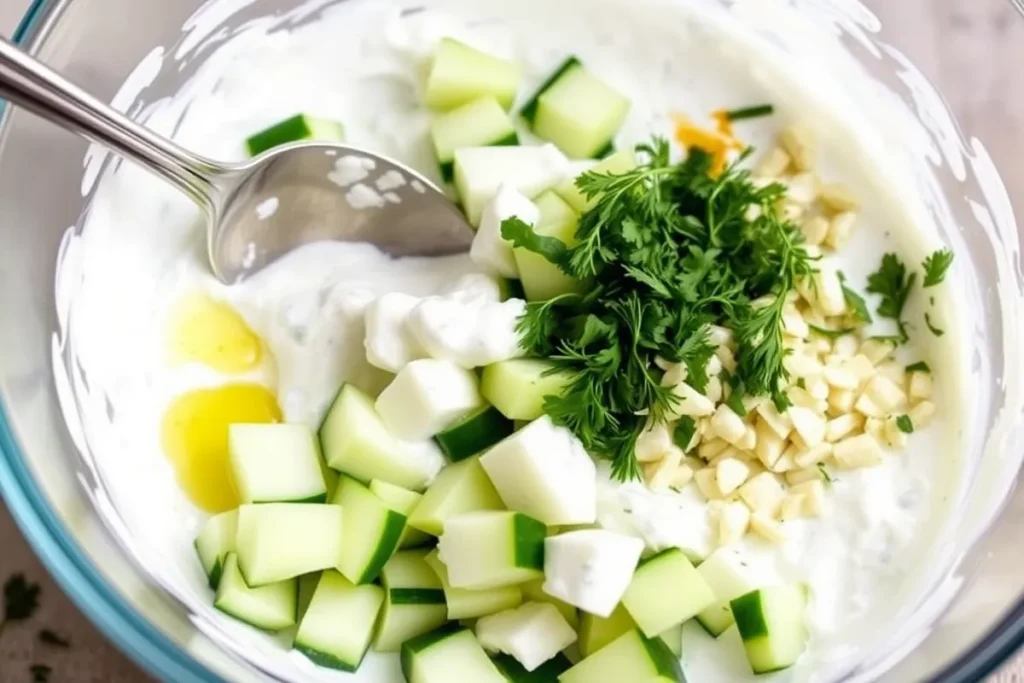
(669, 249)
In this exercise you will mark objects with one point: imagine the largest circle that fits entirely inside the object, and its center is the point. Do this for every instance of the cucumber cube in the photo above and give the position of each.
(461, 74)
(480, 123)
(215, 540)
(413, 600)
(533, 591)
(577, 112)
(532, 633)
(448, 655)
(543, 280)
(631, 657)
(544, 471)
(371, 532)
(295, 129)
(517, 387)
(492, 548)
(276, 463)
(270, 607)
(355, 441)
(278, 541)
(673, 638)
(404, 502)
(596, 632)
(621, 162)
(459, 488)
(335, 632)
(480, 171)
(427, 396)
(468, 603)
(666, 590)
(771, 622)
(548, 672)
(590, 568)
(474, 433)
(729, 575)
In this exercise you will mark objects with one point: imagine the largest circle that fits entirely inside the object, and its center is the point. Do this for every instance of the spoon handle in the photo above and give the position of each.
(29, 83)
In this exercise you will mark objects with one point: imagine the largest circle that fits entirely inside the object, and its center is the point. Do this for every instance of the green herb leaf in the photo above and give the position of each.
(520, 234)
(905, 424)
(21, 598)
(936, 266)
(750, 112)
(934, 330)
(682, 435)
(892, 282)
(919, 366)
(831, 334)
(735, 400)
(51, 638)
(858, 307)
(829, 479)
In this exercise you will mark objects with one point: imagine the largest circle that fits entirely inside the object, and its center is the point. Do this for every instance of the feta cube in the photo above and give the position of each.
(532, 633)
(427, 396)
(544, 471)
(490, 250)
(590, 569)
(389, 346)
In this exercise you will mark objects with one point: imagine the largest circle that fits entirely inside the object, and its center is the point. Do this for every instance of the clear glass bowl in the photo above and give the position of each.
(976, 617)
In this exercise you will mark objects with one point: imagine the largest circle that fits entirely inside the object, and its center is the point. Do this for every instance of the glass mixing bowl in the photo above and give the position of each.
(975, 618)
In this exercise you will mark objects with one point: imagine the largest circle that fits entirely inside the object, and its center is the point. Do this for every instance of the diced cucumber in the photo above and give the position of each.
(474, 433)
(673, 638)
(511, 288)
(278, 541)
(621, 162)
(666, 590)
(307, 587)
(467, 603)
(548, 672)
(771, 622)
(532, 633)
(459, 488)
(413, 600)
(449, 654)
(215, 540)
(596, 632)
(490, 549)
(534, 590)
(370, 534)
(295, 129)
(276, 463)
(729, 577)
(631, 657)
(480, 171)
(427, 396)
(270, 607)
(577, 112)
(461, 74)
(480, 123)
(517, 387)
(335, 631)
(355, 441)
(543, 280)
(544, 471)
(403, 501)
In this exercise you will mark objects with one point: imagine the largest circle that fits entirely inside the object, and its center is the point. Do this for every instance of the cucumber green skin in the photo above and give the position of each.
(394, 526)
(752, 621)
(477, 432)
(512, 289)
(666, 663)
(547, 672)
(749, 616)
(447, 166)
(218, 604)
(289, 130)
(415, 645)
(529, 535)
(416, 596)
(529, 110)
(328, 661)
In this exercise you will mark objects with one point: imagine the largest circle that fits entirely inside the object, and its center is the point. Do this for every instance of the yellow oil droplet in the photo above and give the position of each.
(195, 438)
(203, 330)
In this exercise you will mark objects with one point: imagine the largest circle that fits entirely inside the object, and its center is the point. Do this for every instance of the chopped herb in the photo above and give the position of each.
(51, 638)
(905, 424)
(21, 599)
(829, 479)
(682, 435)
(919, 366)
(936, 266)
(892, 282)
(935, 330)
(856, 303)
(671, 249)
(750, 112)
(40, 673)
(735, 400)
(831, 334)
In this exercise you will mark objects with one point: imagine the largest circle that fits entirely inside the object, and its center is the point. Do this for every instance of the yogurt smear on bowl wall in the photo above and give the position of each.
(142, 256)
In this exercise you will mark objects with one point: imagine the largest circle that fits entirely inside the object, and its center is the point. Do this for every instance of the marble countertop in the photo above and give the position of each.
(982, 83)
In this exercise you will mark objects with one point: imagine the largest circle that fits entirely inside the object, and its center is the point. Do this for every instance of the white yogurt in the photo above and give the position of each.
(361, 63)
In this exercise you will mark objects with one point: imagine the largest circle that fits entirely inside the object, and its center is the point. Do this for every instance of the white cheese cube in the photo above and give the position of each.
(543, 471)
(730, 473)
(480, 171)
(389, 345)
(885, 393)
(808, 424)
(733, 521)
(590, 569)
(728, 425)
(858, 451)
(763, 493)
(490, 250)
(532, 633)
(921, 385)
(427, 396)
(470, 331)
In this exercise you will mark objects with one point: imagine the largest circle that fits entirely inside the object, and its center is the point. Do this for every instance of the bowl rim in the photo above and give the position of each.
(153, 651)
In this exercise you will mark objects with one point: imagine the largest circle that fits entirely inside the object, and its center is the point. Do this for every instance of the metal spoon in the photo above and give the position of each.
(261, 209)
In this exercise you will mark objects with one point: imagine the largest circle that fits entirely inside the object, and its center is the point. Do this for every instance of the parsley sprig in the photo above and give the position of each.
(668, 249)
